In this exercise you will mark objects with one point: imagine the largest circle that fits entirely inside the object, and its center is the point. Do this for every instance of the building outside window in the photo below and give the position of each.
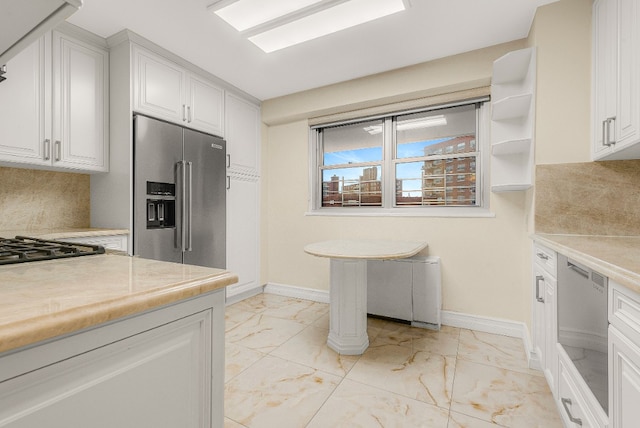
(396, 161)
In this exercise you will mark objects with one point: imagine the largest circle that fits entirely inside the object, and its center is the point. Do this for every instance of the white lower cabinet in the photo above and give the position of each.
(624, 381)
(160, 369)
(109, 242)
(573, 408)
(624, 356)
(545, 334)
(243, 231)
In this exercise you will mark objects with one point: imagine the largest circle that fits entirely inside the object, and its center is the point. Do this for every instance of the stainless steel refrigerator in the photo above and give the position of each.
(179, 194)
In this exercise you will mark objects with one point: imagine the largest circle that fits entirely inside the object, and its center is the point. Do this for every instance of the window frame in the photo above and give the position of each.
(389, 163)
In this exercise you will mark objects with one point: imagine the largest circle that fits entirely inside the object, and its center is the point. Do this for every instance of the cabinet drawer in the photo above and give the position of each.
(546, 258)
(112, 242)
(624, 310)
(572, 408)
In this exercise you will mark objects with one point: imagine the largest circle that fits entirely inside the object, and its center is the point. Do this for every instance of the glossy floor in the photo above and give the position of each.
(280, 373)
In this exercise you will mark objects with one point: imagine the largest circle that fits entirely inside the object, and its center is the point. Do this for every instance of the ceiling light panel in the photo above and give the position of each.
(245, 14)
(327, 21)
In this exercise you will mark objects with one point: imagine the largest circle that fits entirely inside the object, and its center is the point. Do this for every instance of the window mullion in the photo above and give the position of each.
(388, 168)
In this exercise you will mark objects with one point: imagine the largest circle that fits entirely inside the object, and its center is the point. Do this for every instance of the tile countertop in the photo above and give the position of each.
(45, 299)
(617, 257)
(63, 233)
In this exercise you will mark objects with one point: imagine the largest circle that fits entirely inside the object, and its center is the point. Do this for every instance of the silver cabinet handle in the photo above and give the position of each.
(58, 146)
(184, 112)
(189, 114)
(577, 269)
(606, 131)
(542, 256)
(566, 402)
(228, 182)
(47, 150)
(538, 279)
(228, 160)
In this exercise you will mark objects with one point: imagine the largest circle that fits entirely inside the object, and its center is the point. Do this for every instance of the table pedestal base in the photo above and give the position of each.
(348, 291)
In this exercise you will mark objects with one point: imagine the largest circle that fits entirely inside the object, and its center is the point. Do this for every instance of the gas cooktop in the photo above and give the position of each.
(25, 249)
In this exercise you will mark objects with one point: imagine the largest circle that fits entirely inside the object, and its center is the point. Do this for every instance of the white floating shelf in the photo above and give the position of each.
(513, 107)
(510, 147)
(498, 188)
(511, 67)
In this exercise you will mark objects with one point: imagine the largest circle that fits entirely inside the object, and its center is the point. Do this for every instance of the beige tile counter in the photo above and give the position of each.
(45, 299)
(617, 257)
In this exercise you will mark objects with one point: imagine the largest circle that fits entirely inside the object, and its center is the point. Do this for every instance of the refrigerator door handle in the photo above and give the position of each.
(190, 207)
(181, 184)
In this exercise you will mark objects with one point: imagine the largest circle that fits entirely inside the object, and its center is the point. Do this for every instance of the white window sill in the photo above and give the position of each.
(452, 212)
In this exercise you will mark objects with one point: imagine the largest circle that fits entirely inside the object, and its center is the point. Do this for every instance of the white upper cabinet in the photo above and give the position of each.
(616, 80)
(24, 114)
(58, 117)
(80, 100)
(165, 90)
(243, 135)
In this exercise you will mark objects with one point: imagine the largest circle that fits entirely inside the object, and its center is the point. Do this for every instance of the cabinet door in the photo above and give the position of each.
(80, 100)
(628, 74)
(205, 106)
(243, 233)
(159, 378)
(539, 328)
(604, 74)
(243, 135)
(624, 381)
(25, 108)
(550, 362)
(158, 87)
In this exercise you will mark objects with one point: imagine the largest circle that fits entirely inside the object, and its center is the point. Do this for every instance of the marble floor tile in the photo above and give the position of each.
(302, 311)
(459, 420)
(415, 374)
(494, 350)
(355, 405)
(443, 341)
(504, 397)
(263, 333)
(237, 359)
(310, 348)
(228, 423)
(277, 393)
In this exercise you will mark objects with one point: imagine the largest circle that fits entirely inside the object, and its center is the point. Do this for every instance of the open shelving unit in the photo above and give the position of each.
(512, 120)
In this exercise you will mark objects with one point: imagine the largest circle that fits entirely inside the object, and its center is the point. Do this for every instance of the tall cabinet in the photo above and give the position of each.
(243, 194)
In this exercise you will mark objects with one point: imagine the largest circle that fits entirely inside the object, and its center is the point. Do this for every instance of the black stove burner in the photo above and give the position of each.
(24, 249)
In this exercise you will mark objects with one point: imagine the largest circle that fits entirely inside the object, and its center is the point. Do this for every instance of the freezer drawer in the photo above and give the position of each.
(406, 289)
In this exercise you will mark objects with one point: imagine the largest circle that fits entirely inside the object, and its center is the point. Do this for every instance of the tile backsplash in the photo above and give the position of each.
(34, 199)
(592, 198)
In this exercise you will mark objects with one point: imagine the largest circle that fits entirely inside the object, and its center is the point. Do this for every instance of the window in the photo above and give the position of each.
(398, 161)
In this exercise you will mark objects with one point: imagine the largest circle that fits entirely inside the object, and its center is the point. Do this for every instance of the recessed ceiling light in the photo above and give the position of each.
(277, 24)
(245, 14)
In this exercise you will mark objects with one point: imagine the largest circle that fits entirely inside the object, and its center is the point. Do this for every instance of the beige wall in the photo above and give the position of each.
(485, 261)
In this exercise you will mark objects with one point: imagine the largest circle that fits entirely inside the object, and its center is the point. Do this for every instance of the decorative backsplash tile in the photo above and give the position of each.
(34, 199)
(593, 198)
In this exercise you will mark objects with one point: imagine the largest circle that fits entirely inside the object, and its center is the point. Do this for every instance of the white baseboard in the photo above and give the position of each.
(297, 292)
(234, 295)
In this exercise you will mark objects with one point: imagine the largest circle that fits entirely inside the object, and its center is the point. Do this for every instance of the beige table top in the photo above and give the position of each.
(365, 249)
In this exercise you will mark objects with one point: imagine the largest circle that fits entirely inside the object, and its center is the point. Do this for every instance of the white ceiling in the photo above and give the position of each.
(428, 30)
